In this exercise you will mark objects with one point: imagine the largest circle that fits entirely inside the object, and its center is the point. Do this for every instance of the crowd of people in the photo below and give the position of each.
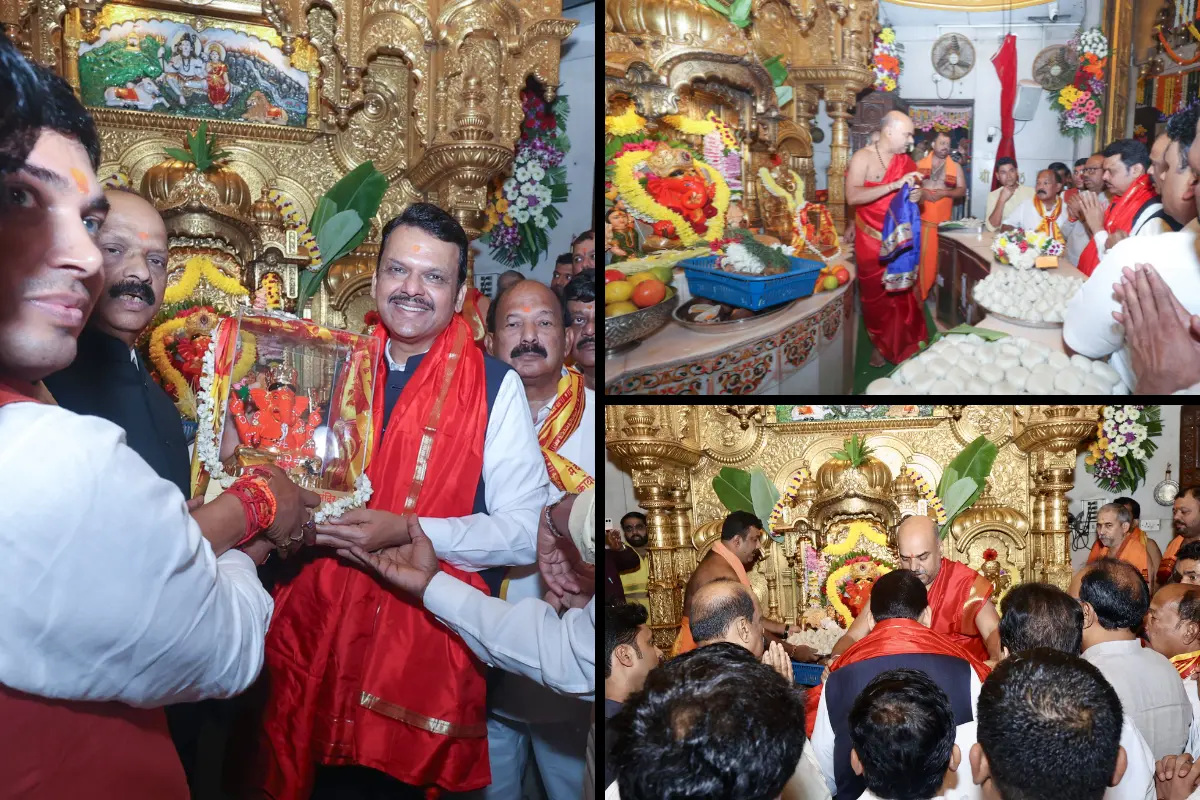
(1141, 297)
(1084, 693)
(426, 643)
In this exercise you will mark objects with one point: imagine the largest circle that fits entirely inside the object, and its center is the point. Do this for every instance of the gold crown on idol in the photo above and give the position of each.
(282, 373)
(666, 160)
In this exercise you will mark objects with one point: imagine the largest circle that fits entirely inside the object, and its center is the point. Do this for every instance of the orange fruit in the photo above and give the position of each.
(649, 292)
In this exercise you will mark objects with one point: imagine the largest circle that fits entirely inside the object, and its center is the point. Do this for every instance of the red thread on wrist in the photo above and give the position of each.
(258, 504)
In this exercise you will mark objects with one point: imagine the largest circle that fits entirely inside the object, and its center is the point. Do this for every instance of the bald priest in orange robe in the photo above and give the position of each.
(1118, 537)
(959, 597)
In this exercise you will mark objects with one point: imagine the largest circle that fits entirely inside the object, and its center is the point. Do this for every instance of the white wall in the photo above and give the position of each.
(1168, 452)
(577, 71)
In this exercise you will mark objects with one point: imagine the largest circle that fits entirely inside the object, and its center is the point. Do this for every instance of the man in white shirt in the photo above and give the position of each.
(117, 600)
(902, 731)
(1004, 200)
(1045, 211)
(1040, 615)
(528, 330)
(1173, 628)
(1049, 727)
(1091, 178)
(1089, 327)
(1115, 601)
(1135, 209)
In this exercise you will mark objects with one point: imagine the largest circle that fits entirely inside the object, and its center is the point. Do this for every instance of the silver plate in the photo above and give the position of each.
(1024, 323)
(728, 325)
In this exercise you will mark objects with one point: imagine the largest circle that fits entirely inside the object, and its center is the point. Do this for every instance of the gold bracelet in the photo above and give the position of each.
(550, 520)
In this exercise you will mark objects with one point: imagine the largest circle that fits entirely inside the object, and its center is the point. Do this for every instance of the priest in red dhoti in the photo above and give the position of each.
(358, 676)
(1117, 537)
(895, 322)
(941, 186)
(959, 597)
(899, 638)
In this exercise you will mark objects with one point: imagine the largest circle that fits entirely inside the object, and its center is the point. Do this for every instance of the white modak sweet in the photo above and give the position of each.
(969, 364)
(1034, 295)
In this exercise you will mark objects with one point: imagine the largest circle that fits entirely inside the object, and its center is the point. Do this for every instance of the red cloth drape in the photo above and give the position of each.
(1005, 62)
(888, 638)
(358, 674)
(955, 597)
(895, 322)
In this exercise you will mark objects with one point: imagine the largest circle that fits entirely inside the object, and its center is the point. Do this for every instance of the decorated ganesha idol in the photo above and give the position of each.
(676, 183)
(279, 421)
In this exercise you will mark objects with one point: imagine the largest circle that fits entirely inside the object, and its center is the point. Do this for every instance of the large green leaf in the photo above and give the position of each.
(958, 497)
(336, 234)
(975, 461)
(763, 496)
(733, 489)
(325, 209)
(355, 188)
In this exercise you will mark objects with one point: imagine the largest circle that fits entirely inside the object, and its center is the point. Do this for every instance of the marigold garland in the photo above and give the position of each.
(631, 189)
(831, 592)
(291, 214)
(1178, 59)
(166, 370)
(196, 267)
(628, 123)
(858, 530)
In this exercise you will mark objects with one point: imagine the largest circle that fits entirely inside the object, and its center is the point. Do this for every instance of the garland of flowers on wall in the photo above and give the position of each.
(886, 61)
(939, 119)
(1080, 104)
(521, 208)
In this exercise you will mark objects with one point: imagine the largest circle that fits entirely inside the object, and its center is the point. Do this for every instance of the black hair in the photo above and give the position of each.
(34, 99)
(564, 258)
(1041, 711)
(1189, 606)
(637, 514)
(491, 312)
(621, 624)
(1131, 151)
(583, 237)
(936, 134)
(1079, 162)
(1189, 491)
(902, 727)
(713, 722)
(1189, 552)
(581, 288)
(437, 223)
(710, 618)
(1058, 178)
(898, 594)
(1132, 504)
(1061, 169)
(1181, 128)
(1117, 592)
(738, 523)
(1040, 615)
(1000, 162)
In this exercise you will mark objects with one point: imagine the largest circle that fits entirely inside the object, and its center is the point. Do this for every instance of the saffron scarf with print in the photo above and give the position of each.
(1119, 216)
(1049, 223)
(563, 421)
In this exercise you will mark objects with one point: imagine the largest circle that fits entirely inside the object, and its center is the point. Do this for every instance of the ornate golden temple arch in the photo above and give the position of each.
(673, 452)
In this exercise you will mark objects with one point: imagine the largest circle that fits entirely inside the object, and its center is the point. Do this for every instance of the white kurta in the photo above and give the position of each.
(1088, 324)
(109, 589)
(1027, 217)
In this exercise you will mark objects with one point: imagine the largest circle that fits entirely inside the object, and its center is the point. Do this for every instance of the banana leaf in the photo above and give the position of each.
(764, 496)
(964, 478)
(733, 489)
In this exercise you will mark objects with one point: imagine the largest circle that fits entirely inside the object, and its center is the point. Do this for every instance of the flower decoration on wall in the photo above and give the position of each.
(521, 208)
(1080, 104)
(1124, 444)
(886, 61)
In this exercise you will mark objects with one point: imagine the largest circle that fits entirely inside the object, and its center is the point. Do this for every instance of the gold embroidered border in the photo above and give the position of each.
(438, 726)
(867, 229)
(431, 424)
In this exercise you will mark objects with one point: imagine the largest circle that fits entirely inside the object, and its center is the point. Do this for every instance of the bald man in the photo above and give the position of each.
(1173, 628)
(894, 320)
(958, 595)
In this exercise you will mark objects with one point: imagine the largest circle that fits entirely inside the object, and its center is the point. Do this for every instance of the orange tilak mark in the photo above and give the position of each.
(416, 248)
(81, 179)
(143, 235)
(526, 309)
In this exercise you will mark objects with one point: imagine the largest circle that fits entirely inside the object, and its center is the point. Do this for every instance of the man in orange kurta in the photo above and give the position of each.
(941, 186)
(959, 597)
(1118, 537)
(729, 558)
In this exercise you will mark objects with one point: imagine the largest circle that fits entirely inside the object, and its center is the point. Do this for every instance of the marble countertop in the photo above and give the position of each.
(675, 344)
(981, 245)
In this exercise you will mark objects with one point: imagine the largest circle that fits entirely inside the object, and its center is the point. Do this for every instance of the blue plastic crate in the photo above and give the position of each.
(754, 292)
(807, 674)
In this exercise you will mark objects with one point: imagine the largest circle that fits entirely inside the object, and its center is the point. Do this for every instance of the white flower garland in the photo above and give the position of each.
(210, 457)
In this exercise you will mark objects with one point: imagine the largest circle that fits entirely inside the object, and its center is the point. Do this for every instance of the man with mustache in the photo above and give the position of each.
(528, 329)
(580, 299)
(369, 695)
(118, 601)
(108, 379)
(1136, 209)
(1090, 181)
(1045, 211)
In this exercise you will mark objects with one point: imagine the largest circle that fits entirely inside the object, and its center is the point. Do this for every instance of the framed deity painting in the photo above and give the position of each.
(165, 66)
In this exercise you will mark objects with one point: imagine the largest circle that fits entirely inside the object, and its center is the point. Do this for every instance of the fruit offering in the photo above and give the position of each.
(626, 292)
(832, 276)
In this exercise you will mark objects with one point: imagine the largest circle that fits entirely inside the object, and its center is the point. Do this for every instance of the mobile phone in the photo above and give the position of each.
(608, 525)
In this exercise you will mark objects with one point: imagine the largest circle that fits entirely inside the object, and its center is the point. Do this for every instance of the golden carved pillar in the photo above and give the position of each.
(805, 108)
(1052, 436)
(838, 102)
(657, 445)
(1118, 27)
